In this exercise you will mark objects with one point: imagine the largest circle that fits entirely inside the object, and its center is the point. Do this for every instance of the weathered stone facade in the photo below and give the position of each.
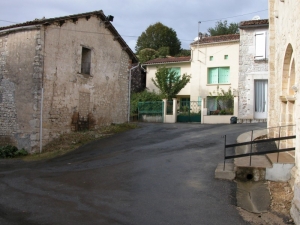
(48, 57)
(284, 80)
(20, 82)
(250, 69)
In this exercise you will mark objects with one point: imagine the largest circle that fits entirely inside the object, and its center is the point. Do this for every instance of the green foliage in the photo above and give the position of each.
(225, 101)
(144, 96)
(147, 54)
(169, 83)
(163, 52)
(184, 52)
(157, 36)
(222, 28)
(9, 151)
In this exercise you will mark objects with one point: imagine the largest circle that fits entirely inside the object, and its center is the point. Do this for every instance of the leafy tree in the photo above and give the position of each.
(157, 36)
(169, 83)
(147, 54)
(184, 52)
(163, 51)
(222, 28)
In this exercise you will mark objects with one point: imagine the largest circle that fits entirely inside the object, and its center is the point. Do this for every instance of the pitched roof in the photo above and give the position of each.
(61, 20)
(254, 23)
(216, 39)
(168, 60)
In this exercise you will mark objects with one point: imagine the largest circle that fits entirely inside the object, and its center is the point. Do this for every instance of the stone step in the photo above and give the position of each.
(283, 157)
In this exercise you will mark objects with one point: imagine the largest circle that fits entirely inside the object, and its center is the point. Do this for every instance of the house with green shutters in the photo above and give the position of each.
(214, 68)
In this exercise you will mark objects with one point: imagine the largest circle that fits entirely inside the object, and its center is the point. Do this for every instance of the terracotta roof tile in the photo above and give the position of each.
(168, 60)
(221, 38)
(254, 23)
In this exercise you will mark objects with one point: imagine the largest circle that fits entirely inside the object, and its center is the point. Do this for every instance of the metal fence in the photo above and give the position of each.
(151, 111)
(189, 111)
(274, 140)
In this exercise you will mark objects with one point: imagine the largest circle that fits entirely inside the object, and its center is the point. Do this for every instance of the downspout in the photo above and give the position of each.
(42, 96)
(129, 91)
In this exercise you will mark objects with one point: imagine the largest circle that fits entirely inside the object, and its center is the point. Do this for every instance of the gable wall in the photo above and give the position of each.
(103, 95)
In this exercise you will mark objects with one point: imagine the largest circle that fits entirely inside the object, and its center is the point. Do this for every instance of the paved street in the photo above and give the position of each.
(156, 174)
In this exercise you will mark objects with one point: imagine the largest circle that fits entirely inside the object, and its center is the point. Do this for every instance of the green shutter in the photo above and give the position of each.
(213, 75)
(223, 75)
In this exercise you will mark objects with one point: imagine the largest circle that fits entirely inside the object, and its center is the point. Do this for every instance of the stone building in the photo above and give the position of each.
(59, 75)
(253, 71)
(284, 79)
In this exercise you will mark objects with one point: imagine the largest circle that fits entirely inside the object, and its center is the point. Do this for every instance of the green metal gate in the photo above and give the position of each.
(151, 111)
(189, 111)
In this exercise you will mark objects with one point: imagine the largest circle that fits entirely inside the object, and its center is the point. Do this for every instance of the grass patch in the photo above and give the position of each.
(70, 141)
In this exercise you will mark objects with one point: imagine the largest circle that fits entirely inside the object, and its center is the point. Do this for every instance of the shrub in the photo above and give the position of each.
(9, 151)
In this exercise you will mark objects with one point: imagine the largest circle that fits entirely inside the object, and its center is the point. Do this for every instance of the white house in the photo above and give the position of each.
(214, 66)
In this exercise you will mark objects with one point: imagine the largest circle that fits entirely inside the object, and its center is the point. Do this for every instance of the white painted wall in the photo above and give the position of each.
(151, 70)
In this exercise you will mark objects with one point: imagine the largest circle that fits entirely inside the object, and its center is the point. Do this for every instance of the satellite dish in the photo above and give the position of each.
(256, 18)
(196, 38)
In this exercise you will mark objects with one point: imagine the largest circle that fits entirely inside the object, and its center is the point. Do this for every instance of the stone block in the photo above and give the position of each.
(227, 173)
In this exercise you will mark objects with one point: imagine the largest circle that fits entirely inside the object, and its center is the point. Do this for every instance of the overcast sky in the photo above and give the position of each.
(132, 17)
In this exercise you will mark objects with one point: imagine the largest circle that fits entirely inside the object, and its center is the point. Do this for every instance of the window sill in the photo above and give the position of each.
(84, 75)
(260, 60)
(217, 84)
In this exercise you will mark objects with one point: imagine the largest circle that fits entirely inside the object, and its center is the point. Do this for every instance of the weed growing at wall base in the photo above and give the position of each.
(9, 151)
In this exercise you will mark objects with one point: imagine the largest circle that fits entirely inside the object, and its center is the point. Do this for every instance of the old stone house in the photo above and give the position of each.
(253, 71)
(284, 80)
(59, 75)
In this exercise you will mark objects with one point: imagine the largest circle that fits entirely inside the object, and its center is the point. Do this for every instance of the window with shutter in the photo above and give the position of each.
(213, 75)
(218, 75)
(260, 45)
(223, 75)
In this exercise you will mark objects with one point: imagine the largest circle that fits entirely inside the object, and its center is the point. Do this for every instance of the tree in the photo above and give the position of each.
(147, 54)
(222, 28)
(169, 82)
(157, 36)
(184, 52)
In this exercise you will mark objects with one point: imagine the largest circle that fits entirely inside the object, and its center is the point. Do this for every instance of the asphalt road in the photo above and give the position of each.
(156, 174)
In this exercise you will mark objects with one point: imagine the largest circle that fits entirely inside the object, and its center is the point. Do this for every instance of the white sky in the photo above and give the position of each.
(132, 17)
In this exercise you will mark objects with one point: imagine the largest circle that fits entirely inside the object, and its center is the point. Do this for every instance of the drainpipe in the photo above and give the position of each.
(129, 91)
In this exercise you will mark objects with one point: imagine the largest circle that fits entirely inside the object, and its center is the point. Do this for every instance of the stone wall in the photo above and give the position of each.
(102, 94)
(249, 70)
(284, 81)
(21, 64)
(49, 58)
